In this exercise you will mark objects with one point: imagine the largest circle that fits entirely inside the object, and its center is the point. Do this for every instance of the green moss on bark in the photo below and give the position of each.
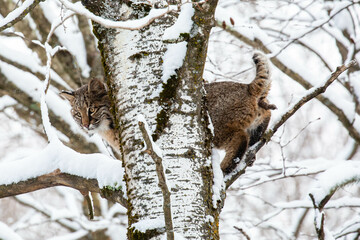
(167, 97)
(137, 235)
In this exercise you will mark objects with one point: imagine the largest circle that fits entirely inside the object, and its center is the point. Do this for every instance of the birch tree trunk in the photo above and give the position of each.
(173, 108)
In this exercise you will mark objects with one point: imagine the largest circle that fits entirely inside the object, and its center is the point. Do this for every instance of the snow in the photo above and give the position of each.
(335, 177)
(6, 101)
(116, 232)
(71, 236)
(130, 24)
(6, 233)
(149, 224)
(177, 236)
(107, 171)
(32, 25)
(183, 24)
(263, 179)
(173, 59)
(218, 186)
(49, 130)
(210, 219)
(68, 34)
(16, 50)
(343, 20)
(15, 13)
(328, 234)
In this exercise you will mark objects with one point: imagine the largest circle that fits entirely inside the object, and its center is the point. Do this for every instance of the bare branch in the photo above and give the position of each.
(312, 93)
(162, 181)
(242, 232)
(300, 222)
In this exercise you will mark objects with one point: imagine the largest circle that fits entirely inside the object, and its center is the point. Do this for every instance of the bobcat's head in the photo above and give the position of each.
(90, 106)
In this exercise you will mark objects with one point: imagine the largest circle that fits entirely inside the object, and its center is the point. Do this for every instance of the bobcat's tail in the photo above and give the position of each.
(261, 84)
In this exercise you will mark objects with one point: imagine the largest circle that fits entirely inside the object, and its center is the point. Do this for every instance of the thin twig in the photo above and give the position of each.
(242, 232)
(316, 27)
(162, 181)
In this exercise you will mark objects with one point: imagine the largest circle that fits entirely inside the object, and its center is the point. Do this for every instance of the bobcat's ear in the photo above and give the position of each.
(96, 85)
(67, 95)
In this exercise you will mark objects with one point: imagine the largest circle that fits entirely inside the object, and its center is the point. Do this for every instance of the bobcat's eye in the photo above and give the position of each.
(91, 109)
(77, 114)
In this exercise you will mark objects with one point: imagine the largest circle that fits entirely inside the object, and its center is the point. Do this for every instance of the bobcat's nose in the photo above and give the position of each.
(85, 122)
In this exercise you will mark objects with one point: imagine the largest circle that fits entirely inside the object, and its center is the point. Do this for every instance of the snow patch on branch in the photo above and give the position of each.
(183, 24)
(175, 53)
(219, 184)
(15, 13)
(107, 171)
(6, 101)
(173, 59)
(335, 177)
(130, 24)
(149, 224)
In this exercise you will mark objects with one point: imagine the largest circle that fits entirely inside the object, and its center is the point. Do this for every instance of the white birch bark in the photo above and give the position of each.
(173, 109)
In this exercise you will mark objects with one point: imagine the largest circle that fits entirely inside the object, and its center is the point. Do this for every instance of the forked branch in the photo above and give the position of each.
(162, 181)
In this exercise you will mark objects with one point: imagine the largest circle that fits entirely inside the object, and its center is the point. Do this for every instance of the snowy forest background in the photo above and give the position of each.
(316, 148)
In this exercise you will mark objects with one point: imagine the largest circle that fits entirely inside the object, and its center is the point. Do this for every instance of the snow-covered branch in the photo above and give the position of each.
(333, 179)
(18, 14)
(58, 165)
(129, 25)
(310, 94)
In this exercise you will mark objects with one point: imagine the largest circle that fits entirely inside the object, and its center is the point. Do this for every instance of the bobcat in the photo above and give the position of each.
(239, 112)
(90, 107)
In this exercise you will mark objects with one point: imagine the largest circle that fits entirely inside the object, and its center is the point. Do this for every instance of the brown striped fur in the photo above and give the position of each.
(90, 109)
(239, 112)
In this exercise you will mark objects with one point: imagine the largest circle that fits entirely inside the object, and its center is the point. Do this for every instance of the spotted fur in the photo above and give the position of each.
(90, 108)
(239, 112)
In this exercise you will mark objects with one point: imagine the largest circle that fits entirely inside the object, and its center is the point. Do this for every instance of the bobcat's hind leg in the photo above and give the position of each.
(235, 148)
